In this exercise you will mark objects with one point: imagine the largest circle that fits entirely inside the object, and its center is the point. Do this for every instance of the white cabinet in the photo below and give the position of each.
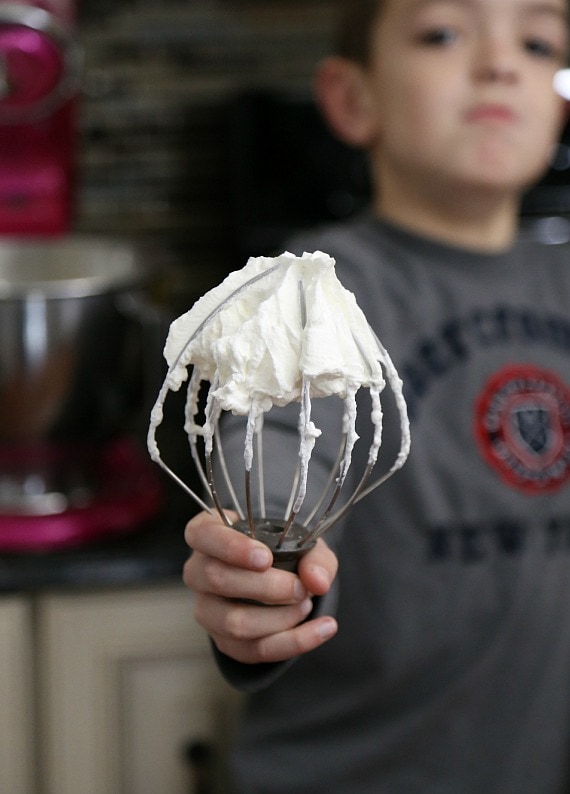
(16, 697)
(127, 681)
(123, 681)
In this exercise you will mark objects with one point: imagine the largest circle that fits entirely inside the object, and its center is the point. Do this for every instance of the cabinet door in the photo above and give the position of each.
(16, 697)
(127, 682)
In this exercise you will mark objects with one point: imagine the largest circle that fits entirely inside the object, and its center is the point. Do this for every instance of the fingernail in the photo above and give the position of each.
(322, 574)
(299, 590)
(260, 558)
(306, 606)
(327, 629)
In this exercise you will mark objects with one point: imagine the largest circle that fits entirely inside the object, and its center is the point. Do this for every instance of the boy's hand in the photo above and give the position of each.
(227, 568)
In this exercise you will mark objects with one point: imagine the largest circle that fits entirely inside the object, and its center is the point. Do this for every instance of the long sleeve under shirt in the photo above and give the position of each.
(450, 673)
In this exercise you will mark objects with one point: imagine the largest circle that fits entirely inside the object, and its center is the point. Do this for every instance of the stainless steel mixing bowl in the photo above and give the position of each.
(72, 348)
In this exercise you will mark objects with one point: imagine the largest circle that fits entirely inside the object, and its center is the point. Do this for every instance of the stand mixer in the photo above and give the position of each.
(40, 67)
(71, 349)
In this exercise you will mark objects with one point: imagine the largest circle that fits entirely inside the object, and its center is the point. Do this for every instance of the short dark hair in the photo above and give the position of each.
(355, 25)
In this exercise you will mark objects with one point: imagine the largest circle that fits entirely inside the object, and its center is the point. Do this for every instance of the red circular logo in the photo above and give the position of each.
(522, 425)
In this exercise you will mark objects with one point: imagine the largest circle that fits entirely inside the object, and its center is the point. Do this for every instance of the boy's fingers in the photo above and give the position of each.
(208, 535)
(318, 568)
(282, 646)
(211, 576)
(244, 622)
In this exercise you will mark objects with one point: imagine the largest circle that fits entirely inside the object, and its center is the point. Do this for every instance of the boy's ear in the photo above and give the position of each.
(342, 95)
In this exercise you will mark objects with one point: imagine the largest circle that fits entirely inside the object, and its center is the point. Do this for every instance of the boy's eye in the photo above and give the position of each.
(541, 48)
(438, 37)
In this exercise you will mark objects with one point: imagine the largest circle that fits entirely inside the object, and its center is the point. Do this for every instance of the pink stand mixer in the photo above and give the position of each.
(70, 346)
(40, 66)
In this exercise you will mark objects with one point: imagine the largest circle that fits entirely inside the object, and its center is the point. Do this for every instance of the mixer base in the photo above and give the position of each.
(128, 495)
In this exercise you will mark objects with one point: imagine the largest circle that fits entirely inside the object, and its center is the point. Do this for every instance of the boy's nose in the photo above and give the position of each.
(496, 60)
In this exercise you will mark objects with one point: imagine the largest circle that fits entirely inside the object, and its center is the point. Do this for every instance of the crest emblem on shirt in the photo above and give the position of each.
(522, 425)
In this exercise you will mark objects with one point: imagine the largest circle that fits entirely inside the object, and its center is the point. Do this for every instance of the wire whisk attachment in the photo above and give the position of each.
(281, 330)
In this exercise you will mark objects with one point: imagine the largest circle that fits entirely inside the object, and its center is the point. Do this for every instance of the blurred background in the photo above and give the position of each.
(202, 111)
(147, 148)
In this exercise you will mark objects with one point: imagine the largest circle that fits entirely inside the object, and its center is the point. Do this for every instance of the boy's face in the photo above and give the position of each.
(461, 90)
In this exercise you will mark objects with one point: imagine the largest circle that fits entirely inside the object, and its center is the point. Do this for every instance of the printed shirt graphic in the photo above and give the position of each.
(522, 425)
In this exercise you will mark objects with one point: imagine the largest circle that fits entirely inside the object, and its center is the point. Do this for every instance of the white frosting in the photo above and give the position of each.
(280, 330)
(248, 336)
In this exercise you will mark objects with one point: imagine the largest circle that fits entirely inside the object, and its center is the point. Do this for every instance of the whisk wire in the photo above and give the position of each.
(294, 488)
(214, 491)
(260, 465)
(305, 444)
(228, 482)
(191, 428)
(333, 475)
(248, 504)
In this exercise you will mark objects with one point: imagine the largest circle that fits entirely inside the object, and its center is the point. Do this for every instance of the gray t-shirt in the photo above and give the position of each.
(450, 673)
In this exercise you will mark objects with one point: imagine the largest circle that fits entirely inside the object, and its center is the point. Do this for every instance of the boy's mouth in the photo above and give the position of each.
(491, 112)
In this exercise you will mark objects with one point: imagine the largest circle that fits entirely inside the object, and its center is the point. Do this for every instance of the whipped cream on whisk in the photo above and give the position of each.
(255, 346)
(280, 330)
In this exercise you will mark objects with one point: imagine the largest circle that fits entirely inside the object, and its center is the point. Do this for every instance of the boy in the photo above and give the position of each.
(451, 669)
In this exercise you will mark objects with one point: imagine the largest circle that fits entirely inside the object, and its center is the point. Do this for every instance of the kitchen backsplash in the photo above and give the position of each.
(161, 77)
